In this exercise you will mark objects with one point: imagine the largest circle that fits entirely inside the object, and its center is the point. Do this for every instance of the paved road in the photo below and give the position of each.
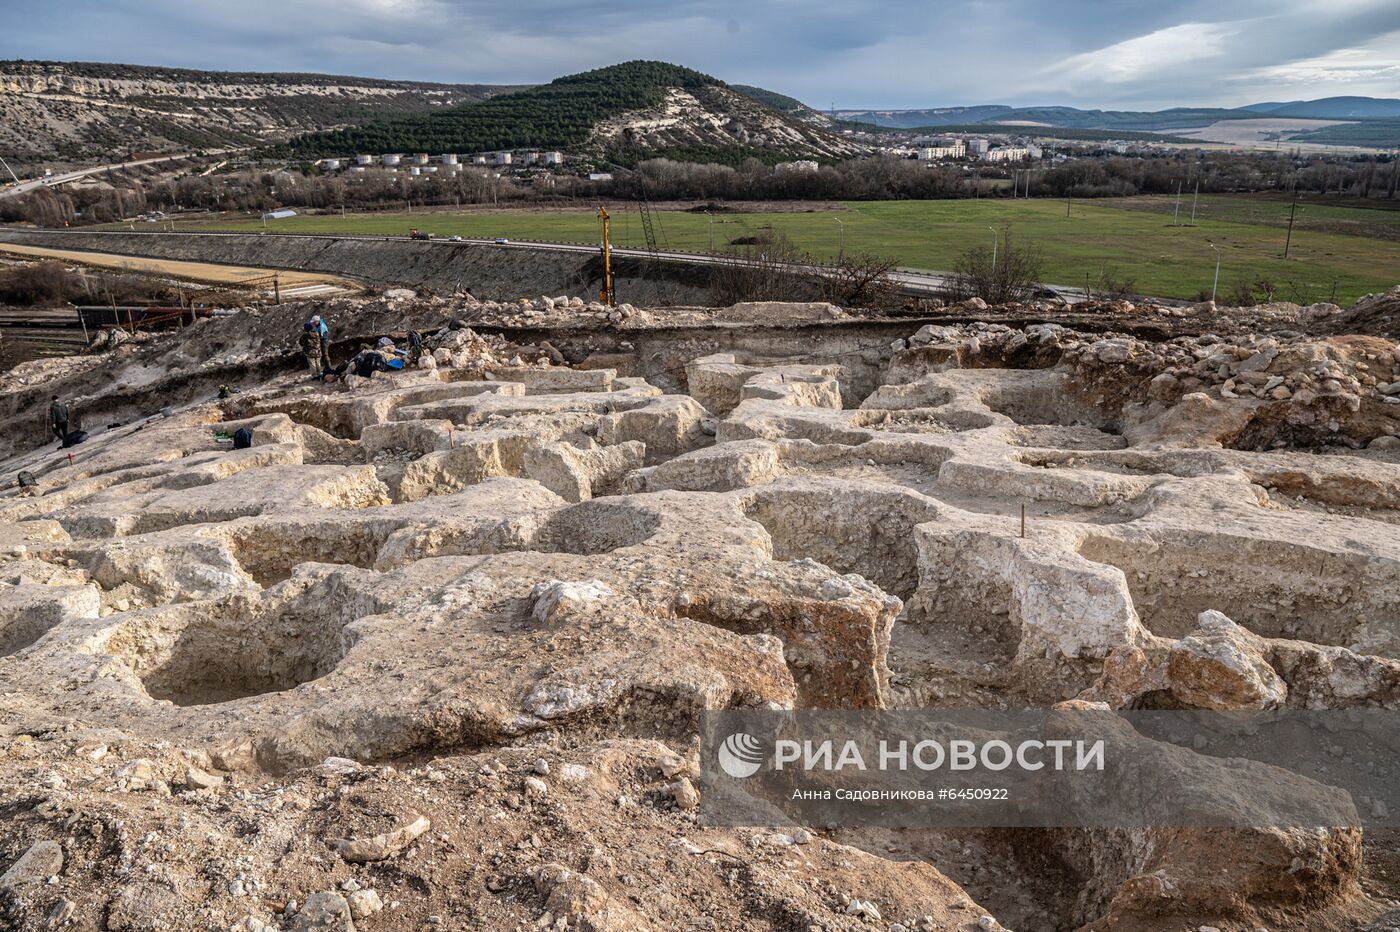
(13, 190)
(914, 281)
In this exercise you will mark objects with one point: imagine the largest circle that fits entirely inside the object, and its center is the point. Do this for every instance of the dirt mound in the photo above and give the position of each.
(1375, 314)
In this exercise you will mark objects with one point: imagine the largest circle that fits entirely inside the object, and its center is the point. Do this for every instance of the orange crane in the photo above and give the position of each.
(607, 294)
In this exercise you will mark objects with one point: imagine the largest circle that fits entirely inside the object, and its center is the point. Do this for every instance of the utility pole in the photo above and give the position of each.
(1176, 211)
(1291, 213)
(1194, 198)
(994, 248)
(840, 255)
(10, 170)
(1216, 283)
(1068, 198)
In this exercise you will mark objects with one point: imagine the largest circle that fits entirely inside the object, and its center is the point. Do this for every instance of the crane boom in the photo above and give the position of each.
(644, 208)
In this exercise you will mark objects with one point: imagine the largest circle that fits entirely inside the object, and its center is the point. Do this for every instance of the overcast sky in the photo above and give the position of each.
(856, 53)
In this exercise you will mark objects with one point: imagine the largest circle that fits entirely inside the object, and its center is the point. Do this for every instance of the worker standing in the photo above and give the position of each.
(311, 350)
(58, 418)
(324, 333)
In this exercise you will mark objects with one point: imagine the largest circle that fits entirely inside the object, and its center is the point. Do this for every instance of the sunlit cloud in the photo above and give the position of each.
(1148, 55)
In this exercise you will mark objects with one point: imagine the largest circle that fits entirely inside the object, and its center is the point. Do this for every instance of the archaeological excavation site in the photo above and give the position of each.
(430, 650)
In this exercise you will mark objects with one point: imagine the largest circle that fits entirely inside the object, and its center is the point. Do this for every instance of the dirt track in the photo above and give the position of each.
(194, 271)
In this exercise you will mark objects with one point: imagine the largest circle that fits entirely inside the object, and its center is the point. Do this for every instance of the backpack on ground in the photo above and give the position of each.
(242, 438)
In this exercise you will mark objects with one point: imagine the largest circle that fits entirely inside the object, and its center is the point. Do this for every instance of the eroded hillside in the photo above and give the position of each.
(78, 112)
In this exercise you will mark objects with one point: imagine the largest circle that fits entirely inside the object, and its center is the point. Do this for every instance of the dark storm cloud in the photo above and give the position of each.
(885, 53)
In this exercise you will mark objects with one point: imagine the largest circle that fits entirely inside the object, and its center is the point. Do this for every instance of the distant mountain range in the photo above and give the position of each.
(84, 112)
(1376, 118)
(1334, 108)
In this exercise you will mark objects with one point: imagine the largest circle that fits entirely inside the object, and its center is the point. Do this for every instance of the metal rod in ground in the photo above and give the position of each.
(1023, 519)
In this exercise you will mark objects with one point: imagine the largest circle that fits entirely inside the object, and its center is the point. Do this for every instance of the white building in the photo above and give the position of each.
(801, 165)
(978, 146)
(530, 157)
(504, 158)
(330, 165)
(449, 159)
(478, 160)
(364, 160)
(937, 153)
(600, 176)
(1011, 154)
(390, 159)
(554, 158)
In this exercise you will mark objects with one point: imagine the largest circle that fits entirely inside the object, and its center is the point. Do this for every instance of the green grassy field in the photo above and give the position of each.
(1338, 251)
(1272, 210)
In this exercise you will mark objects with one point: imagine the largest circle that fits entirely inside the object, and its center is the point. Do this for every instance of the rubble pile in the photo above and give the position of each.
(1273, 390)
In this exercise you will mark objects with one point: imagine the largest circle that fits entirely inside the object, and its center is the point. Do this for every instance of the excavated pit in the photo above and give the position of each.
(920, 420)
(269, 552)
(874, 539)
(490, 559)
(21, 629)
(1065, 438)
(1280, 591)
(594, 528)
(213, 653)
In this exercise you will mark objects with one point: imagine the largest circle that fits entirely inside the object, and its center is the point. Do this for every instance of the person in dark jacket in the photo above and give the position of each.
(311, 350)
(58, 418)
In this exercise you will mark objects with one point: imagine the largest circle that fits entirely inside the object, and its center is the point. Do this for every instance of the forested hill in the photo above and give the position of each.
(618, 113)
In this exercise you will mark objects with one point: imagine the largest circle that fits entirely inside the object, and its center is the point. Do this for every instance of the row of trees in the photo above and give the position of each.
(1361, 177)
(665, 179)
(56, 207)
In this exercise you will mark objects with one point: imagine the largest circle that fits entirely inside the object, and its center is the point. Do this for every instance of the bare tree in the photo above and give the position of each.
(1012, 274)
(859, 280)
(770, 270)
(1113, 285)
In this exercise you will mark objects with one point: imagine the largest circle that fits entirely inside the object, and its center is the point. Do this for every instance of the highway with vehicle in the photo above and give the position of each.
(33, 184)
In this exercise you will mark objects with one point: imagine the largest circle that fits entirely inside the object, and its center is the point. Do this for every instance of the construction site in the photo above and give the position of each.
(430, 651)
